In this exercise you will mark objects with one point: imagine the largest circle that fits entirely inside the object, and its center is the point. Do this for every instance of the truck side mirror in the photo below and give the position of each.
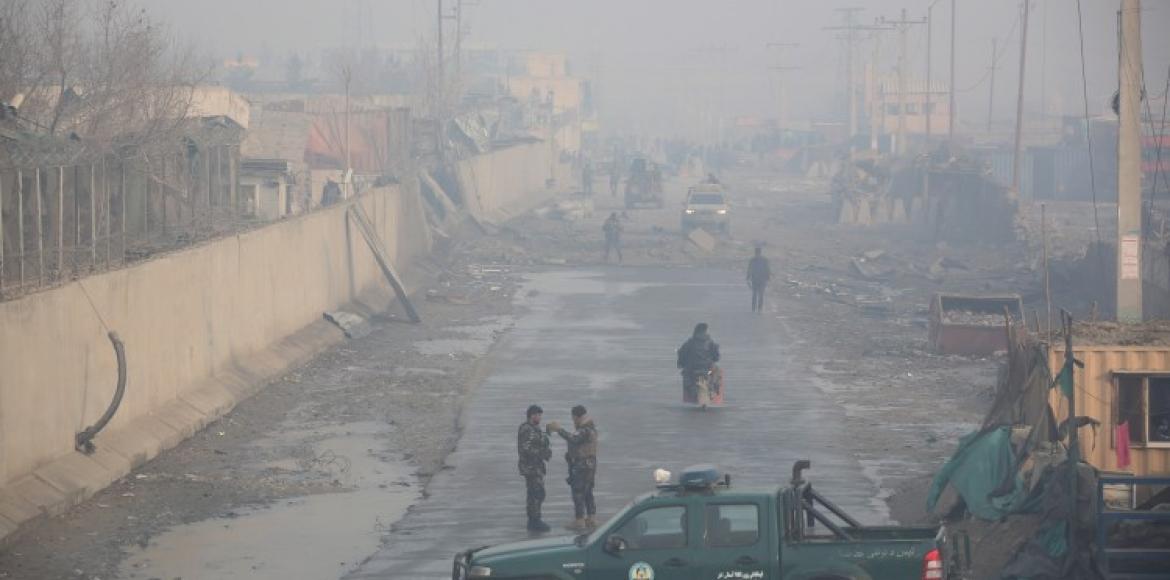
(616, 544)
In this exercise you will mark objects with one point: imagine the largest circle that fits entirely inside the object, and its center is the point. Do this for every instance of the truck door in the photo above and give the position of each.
(735, 542)
(655, 545)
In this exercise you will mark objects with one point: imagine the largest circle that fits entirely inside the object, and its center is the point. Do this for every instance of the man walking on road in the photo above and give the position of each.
(613, 236)
(758, 274)
(582, 459)
(533, 447)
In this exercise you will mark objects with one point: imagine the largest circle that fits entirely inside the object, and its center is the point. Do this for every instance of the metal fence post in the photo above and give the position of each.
(93, 213)
(38, 227)
(3, 270)
(20, 220)
(60, 231)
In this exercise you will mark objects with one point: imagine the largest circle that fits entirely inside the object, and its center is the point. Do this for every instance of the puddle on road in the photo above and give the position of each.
(475, 339)
(317, 536)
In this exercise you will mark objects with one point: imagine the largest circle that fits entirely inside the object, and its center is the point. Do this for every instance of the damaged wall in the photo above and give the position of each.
(183, 317)
(204, 328)
(505, 180)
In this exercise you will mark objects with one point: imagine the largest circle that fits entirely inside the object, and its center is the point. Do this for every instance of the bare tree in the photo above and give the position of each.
(101, 69)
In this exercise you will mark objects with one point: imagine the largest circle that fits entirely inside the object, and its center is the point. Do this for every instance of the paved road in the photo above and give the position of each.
(606, 339)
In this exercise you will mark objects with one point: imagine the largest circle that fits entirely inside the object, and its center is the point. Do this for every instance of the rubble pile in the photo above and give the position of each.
(972, 318)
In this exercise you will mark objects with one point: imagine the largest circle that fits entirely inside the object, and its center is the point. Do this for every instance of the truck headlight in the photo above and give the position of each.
(479, 572)
(721, 212)
(690, 211)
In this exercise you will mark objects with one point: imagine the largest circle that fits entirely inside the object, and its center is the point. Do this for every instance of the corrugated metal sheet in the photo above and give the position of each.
(1095, 396)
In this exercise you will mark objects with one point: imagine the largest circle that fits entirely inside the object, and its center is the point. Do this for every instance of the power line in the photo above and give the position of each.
(1089, 136)
(1010, 34)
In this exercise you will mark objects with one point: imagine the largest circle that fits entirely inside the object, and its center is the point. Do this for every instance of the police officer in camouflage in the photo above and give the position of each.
(532, 445)
(582, 458)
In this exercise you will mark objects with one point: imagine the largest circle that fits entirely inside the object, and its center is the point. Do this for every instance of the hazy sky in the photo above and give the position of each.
(653, 48)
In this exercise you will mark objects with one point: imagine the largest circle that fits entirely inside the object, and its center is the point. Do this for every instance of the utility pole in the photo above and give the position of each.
(347, 75)
(877, 109)
(991, 91)
(851, 29)
(1019, 148)
(951, 89)
(458, 39)
(441, 77)
(903, 26)
(850, 81)
(927, 109)
(1129, 170)
(780, 69)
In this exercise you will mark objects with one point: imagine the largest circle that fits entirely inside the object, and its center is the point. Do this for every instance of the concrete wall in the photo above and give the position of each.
(204, 328)
(507, 179)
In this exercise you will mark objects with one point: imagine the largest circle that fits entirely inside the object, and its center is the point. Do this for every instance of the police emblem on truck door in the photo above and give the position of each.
(641, 571)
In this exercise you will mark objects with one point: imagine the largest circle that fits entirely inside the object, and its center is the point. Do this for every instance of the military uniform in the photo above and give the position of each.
(582, 459)
(533, 447)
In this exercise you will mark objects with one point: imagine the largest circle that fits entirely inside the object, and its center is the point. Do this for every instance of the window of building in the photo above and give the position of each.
(657, 528)
(911, 108)
(732, 525)
(1143, 402)
(892, 109)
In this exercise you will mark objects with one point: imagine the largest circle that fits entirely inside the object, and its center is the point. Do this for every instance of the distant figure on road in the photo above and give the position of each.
(582, 459)
(711, 179)
(533, 447)
(615, 179)
(613, 236)
(758, 274)
(587, 178)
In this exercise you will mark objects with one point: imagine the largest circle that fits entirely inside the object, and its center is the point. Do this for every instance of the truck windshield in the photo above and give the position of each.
(707, 198)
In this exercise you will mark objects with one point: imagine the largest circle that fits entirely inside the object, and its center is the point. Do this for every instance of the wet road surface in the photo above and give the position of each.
(606, 338)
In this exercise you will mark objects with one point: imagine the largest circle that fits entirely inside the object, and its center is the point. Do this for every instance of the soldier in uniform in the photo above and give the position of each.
(582, 459)
(533, 447)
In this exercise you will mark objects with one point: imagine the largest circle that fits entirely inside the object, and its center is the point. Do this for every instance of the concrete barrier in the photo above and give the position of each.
(204, 329)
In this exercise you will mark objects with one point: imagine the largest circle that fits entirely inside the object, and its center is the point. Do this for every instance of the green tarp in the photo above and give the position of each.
(978, 471)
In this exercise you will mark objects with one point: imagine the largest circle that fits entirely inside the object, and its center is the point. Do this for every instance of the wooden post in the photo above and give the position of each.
(92, 213)
(60, 218)
(20, 220)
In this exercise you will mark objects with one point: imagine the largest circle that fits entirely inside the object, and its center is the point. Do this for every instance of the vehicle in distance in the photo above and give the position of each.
(706, 207)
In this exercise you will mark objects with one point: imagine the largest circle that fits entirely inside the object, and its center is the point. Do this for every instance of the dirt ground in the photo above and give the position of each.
(864, 338)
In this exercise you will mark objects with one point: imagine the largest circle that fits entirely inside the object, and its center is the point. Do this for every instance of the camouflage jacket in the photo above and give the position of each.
(532, 445)
(582, 444)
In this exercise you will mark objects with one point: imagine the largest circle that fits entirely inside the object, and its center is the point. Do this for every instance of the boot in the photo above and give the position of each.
(536, 525)
(591, 523)
(578, 525)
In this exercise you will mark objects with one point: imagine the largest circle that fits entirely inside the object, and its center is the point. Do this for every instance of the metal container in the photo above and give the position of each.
(972, 325)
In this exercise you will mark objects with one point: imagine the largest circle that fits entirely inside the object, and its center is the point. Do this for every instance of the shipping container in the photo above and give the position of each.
(1129, 384)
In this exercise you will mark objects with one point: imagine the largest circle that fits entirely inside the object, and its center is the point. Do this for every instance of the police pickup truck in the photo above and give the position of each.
(701, 529)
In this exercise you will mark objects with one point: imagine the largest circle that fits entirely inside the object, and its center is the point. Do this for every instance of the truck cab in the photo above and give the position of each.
(703, 529)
